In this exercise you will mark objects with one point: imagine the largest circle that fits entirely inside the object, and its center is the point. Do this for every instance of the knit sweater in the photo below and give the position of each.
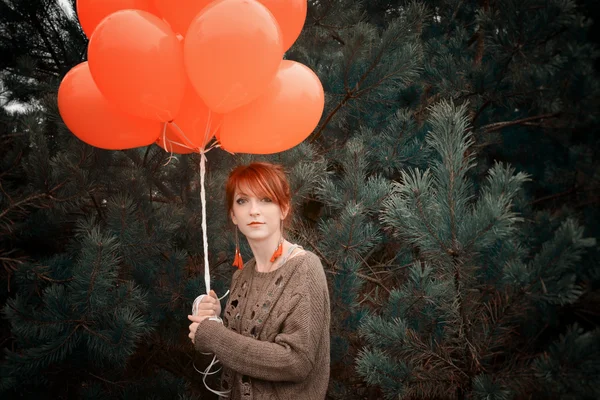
(274, 340)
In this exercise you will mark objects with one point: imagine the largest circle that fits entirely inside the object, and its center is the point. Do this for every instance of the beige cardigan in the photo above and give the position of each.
(274, 340)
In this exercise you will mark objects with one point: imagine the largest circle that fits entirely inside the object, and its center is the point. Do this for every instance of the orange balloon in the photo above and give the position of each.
(97, 122)
(181, 13)
(136, 61)
(280, 118)
(196, 124)
(231, 52)
(91, 12)
(290, 15)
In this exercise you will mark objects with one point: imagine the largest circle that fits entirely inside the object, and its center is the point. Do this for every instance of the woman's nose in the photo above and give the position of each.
(254, 209)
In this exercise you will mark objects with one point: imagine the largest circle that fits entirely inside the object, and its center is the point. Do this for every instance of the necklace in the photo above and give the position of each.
(281, 260)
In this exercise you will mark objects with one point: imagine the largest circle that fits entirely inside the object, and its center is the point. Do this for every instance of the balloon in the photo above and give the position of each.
(231, 52)
(196, 124)
(290, 15)
(281, 118)
(97, 122)
(136, 61)
(193, 128)
(181, 13)
(91, 12)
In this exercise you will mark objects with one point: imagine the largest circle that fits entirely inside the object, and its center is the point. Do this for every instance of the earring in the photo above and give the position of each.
(237, 260)
(279, 249)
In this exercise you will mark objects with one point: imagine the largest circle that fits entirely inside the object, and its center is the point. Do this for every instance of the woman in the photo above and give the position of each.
(274, 338)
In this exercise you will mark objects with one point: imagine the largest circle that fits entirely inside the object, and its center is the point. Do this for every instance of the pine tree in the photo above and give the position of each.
(464, 324)
(519, 69)
(39, 44)
(102, 251)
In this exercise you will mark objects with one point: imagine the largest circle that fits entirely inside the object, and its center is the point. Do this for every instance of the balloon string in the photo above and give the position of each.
(204, 235)
(214, 144)
(202, 185)
(214, 361)
(207, 372)
(164, 137)
(184, 137)
(207, 129)
(203, 160)
(206, 269)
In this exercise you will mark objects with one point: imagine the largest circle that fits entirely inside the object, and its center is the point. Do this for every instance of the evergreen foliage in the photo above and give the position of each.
(461, 326)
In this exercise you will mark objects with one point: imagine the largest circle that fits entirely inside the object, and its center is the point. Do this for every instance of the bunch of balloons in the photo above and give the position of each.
(178, 73)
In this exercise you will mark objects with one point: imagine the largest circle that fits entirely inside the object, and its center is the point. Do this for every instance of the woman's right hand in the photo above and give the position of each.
(209, 306)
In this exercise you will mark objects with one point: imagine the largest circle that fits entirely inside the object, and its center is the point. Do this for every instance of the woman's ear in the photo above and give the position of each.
(233, 218)
(284, 211)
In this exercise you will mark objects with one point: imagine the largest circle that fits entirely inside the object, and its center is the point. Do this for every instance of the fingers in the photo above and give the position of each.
(209, 303)
(210, 299)
(206, 306)
(198, 318)
(207, 309)
(193, 327)
(205, 313)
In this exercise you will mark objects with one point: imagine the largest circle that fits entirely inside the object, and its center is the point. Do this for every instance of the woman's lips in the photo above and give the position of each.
(255, 224)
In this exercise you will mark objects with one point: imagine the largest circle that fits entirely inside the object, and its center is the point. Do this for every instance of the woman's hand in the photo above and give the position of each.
(208, 307)
(194, 326)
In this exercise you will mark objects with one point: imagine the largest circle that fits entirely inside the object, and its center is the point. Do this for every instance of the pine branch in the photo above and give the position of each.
(500, 125)
(40, 30)
(332, 265)
(97, 207)
(415, 342)
(357, 91)
(331, 114)
(58, 40)
(25, 317)
(10, 262)
(553, 196)
(428, 225)
(159, 185)
(120, 384)
(25, 201)
(464, 321)
(374, 280)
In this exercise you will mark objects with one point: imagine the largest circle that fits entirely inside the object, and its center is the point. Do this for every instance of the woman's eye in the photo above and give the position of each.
(240, 201)
(266, 199)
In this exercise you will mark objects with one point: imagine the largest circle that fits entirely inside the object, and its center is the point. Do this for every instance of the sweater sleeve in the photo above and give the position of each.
(291, 356)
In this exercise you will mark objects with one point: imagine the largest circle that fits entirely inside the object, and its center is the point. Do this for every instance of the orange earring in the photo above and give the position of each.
(279, 249)
(237, 260)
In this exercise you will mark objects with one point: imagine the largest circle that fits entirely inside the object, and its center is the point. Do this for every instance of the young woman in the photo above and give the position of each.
(274, 338)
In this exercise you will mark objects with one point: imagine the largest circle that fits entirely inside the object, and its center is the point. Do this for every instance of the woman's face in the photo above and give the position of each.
(257, 218)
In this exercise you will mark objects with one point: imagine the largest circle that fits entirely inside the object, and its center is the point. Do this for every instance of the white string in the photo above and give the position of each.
(205, 373)
(202, 188)
(164, 136)
(204, 235)
(214, 361)
(198, 299)
(202, 193)
(170, 150)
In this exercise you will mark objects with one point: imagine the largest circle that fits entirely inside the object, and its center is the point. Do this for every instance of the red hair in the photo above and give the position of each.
(264, 180)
